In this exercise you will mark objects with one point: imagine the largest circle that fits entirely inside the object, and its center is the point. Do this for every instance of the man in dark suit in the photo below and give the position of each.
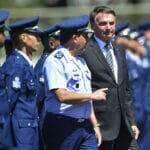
(107, 63)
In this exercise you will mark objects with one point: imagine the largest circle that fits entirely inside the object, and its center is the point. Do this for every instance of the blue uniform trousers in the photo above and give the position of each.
(66, 133)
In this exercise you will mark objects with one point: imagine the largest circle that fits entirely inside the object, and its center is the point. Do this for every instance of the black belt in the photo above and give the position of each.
(68, 118)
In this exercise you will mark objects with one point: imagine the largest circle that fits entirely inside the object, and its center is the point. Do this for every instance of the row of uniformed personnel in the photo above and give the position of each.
(139, 68)
(19, 118)
(22, 87)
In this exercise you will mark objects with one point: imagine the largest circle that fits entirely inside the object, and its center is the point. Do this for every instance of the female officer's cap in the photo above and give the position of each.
(26, 25)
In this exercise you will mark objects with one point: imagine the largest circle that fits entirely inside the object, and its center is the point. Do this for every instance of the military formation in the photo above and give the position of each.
(63, 101)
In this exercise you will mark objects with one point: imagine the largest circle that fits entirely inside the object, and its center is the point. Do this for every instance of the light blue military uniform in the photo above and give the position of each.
(68, 123)
(64, 71)
(21, 83)
(76, 78)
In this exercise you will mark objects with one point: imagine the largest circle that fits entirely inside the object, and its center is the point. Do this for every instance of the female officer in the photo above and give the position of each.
(21, 83)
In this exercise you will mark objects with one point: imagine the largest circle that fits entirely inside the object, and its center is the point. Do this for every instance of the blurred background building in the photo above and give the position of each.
(51, 11)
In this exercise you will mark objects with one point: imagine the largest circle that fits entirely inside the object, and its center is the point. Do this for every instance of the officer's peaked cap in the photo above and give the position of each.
(27, 24)
(75, 24)
(4, 14)
(51, 31)
(121, 26)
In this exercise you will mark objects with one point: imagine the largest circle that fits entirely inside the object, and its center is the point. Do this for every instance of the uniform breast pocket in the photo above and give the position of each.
(31, 86)
(74, 81)
(26, 130)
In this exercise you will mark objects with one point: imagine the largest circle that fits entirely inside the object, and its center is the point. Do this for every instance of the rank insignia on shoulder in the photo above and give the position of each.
(59, 55)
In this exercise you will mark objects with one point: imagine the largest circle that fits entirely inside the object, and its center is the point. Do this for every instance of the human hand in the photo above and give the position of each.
(135, 131)
(99, 94)
(98, 135)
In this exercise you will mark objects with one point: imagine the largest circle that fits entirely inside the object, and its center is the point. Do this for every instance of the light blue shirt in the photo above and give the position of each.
(62, 70)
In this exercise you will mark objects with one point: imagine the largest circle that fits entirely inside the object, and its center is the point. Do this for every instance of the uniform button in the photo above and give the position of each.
(80, 120)
(29, 124)
(9, 100)
(10, 114)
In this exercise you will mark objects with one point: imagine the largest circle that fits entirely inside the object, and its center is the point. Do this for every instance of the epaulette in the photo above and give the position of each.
(17, 60)
(59, 55)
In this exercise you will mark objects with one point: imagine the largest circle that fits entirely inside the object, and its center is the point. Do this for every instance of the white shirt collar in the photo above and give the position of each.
(26, 57)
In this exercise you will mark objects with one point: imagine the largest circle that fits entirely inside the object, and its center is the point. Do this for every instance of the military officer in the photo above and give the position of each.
(70, 120)
(50, 41)
(46, 36)
(21, 83)
(144, 141)
(6, 138)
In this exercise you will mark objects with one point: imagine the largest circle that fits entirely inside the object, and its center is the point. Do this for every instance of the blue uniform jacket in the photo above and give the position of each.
(40, 76)
(21, 85)
(6, 135)
(136, 77)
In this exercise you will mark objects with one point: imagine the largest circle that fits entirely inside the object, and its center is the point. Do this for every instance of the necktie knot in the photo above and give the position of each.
(108, 46)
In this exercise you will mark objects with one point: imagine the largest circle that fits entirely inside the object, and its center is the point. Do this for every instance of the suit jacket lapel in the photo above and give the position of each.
(98, 53)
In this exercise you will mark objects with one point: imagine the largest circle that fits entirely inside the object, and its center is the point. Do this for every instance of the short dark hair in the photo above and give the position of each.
(15, 40)
(65, 36)
(100, 9)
